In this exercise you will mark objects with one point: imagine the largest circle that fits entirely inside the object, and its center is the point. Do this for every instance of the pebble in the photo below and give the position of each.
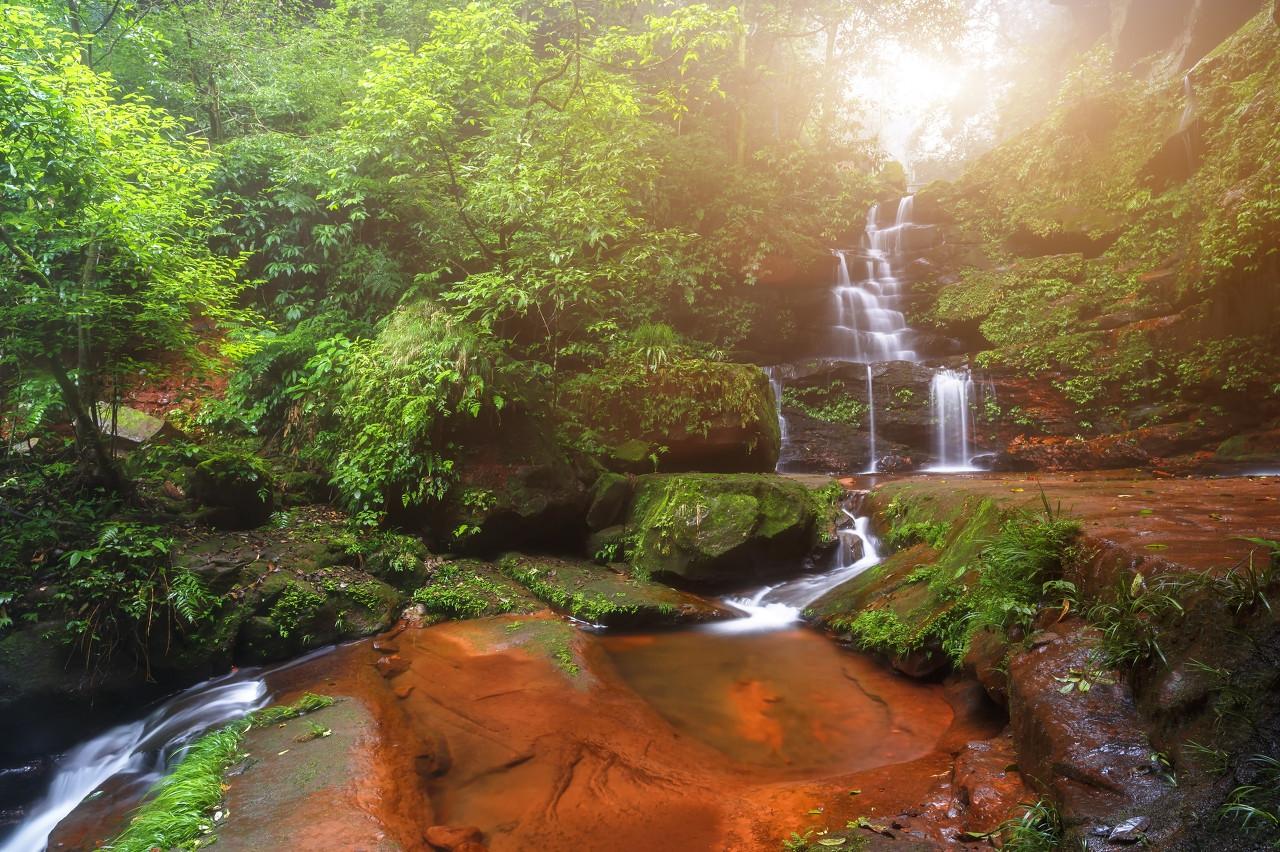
(1130, 831)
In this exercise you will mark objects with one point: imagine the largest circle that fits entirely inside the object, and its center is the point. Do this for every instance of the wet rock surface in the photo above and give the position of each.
(521, 733)
(705, 528)
(1086, 745)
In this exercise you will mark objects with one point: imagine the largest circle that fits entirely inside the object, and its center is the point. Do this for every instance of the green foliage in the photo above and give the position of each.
(376, 413)
(1038, 829)
(295, 607)
(274, 715)
(457, 591)
(1132, 619)
(1255, 806)
(655, 343)
(1173, 246)
(104, 219)
(829, 404)
(625, 399)
(123, 589)
(177, 812)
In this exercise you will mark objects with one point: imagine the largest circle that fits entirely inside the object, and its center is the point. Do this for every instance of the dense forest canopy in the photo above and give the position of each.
(552, 176)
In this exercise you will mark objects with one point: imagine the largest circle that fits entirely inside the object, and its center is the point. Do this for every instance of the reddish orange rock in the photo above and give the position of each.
(393, 665)
(454, 837)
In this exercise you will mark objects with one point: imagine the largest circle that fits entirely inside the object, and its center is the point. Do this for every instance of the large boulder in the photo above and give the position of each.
(685, 415)
(708, 528)
(129, 428)
(517, 487)
(1079, 736)
(236, 489)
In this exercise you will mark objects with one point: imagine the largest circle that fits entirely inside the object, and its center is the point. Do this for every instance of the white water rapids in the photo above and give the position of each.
(781, 605)
(141, 749)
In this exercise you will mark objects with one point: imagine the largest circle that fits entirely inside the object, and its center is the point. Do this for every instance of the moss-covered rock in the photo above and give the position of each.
(236, 488)
(607, 595)
(470, 588)
(609, 498)
(710, 528)
(517, 487)
(688, 414)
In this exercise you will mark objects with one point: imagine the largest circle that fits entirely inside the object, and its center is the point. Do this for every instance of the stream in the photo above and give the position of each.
(773, 697)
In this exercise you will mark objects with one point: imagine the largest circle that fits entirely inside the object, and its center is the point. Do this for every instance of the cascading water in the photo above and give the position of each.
(950, 393)
(141, 749)
(871, 422)
(775, 382)
(779, 606)
(869, 325)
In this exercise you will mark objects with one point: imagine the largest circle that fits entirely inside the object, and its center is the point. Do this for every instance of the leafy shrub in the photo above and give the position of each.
(122, 588)
(378, 411)
(1132, 619)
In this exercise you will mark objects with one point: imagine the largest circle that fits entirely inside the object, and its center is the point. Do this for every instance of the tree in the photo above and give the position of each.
(103, 222)
(515, 144)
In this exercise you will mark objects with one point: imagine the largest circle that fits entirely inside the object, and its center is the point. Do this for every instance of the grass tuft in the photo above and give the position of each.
(177, 813)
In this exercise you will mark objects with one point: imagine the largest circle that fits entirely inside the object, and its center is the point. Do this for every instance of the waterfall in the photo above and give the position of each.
(950, 393)
(775, 382)
(1188, 118)
(868, 322)
(871, 415)
(781, 605)
(143, 749)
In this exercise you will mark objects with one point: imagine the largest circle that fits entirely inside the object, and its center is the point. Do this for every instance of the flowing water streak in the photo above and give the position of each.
(779, 606)
(1188, 118)
(775, 382)
(871, 409)
(950, 393)
(143, 748)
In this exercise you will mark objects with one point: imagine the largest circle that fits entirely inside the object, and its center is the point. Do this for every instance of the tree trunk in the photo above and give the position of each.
(88, 437)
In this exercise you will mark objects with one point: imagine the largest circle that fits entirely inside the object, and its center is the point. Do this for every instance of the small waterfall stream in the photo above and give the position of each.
(775, 383)
(781, 605)
(950, 394)
(141, 750)
(871, 423)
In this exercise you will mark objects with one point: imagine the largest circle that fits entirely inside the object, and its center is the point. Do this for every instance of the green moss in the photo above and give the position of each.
(297, 605)
(916, 532)
(465, 589)
(550, 581)
(695, 524)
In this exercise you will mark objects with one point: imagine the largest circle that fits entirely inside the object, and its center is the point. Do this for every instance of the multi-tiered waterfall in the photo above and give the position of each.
(869, 323)
(870, 326)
